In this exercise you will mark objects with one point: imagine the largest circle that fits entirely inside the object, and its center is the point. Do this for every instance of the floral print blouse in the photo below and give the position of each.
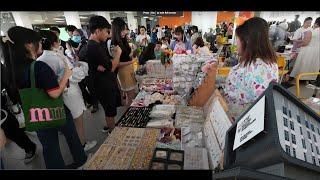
(245, 84)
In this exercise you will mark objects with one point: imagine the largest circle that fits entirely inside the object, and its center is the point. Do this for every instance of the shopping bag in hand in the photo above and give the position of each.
(40, 110)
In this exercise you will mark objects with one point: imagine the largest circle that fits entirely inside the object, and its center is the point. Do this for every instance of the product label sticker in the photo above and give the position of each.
(251, 124)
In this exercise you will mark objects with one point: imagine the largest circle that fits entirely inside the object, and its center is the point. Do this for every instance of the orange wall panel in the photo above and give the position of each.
(225, 16)
(175, 21)
(246, 14)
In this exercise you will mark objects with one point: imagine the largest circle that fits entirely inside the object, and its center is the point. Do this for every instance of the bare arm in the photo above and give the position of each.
(62, 84)
(121, 64)
(307, 38)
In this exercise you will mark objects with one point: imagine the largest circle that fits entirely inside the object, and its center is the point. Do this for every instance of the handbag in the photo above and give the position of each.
(40, 110)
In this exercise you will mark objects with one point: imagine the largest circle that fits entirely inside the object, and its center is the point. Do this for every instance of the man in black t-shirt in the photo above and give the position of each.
(101, 69)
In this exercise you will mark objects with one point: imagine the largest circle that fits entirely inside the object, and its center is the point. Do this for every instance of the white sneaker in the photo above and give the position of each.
(89, 145)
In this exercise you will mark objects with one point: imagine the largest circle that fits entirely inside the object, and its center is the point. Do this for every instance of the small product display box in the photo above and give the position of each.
(167, 159)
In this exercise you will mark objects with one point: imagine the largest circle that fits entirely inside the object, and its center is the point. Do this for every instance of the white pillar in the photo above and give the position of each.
(105, 14)
(144, 22)
(22, 19)
(132, 22)
(72, 18)
(204, 20)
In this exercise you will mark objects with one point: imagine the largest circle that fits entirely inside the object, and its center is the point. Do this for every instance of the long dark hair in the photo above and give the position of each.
(147, 54)
(119, 25)
(48, 39)
(180, 30)
(253, 35)
(21, 56)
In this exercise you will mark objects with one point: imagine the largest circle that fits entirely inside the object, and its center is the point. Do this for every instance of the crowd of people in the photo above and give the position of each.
(304, 38)
(88, 70)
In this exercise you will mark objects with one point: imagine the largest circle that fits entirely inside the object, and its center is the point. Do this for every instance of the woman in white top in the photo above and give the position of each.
(299, 36)
(72, 95)
(308, 59)
(143, 39)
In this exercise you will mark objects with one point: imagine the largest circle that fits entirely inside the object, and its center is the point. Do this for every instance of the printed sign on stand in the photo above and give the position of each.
(251, 124)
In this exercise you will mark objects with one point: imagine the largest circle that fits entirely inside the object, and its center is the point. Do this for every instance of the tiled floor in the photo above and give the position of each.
(13, 156)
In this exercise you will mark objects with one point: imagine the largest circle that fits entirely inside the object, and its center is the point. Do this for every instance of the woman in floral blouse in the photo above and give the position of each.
(256, 69)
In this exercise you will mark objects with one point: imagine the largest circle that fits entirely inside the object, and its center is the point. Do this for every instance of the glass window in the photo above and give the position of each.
(318, 131)
(309, 136)
(289, 113)
(303, 143)
(293, 137)
(307, 124)
(317, 149)
(305, 156)
(286, 135)
(288, 149)
(291, 125)
(301, 131)
(314, 160)
(294, 152)
(314, 138)
(298, 119)
(312, 127)
(284, 110)
(285, 122)
(311, 147)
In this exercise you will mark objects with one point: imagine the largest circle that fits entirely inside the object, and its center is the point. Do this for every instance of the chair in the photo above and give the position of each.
(298, 80)
(281, 61)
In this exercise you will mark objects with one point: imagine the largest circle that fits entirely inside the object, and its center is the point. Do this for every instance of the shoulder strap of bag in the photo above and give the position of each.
(32, 76)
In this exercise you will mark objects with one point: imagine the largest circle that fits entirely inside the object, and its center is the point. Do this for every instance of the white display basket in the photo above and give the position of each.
(156, 69)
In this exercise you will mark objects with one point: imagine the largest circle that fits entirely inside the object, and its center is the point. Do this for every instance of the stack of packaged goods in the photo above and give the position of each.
(185, 70)
(161, 116)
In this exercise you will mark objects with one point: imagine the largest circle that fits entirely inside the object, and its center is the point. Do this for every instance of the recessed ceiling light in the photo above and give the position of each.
(146, 17)
(59, 19)
(38, 20)
(83, 17)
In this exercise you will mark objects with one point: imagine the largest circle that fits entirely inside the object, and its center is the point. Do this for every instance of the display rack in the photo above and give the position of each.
(289, 143)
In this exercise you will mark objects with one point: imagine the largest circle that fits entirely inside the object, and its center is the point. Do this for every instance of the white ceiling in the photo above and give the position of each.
(57, 17)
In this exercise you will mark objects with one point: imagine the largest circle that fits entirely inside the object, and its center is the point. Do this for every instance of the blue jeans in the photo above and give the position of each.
(51, 149)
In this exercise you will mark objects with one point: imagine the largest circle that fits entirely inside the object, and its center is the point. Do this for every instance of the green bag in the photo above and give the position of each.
(40, 110)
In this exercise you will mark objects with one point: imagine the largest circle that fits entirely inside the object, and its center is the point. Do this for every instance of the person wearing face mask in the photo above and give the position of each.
(143, 39)
(180, 44)
(75, 44)
(69, 29)
(27, 46)
(102, 69)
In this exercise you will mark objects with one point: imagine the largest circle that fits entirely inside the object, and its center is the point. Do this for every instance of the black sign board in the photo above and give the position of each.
(160, 13)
